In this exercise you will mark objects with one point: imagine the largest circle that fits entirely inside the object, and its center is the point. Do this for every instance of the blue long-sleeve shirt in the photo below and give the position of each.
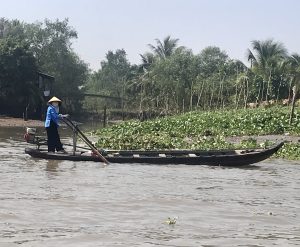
(51, 115)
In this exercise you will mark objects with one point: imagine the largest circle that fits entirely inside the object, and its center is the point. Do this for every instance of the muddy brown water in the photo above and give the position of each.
(65, 203)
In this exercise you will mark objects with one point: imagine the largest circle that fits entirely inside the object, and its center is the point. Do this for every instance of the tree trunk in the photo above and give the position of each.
(104, 116)
(247, 93)
(141, 98)
(278, 90)
(191, 98)
(293, 104)
(236, 94)
(290, 89)
(268, 86)
(262, 90)
(212, 95)
(200, 94)
(239, 96)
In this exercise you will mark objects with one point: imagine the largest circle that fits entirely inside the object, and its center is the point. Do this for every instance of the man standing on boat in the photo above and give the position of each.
(51, 124)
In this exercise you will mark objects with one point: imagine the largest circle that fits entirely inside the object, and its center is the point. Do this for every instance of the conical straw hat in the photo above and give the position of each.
(54, 99)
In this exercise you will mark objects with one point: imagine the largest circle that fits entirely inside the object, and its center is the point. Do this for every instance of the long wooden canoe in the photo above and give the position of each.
(188, 157)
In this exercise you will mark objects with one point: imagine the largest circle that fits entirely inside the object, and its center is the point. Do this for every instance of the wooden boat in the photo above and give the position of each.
(188, 157)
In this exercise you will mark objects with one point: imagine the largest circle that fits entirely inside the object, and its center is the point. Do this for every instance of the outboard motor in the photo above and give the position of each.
(30, 135)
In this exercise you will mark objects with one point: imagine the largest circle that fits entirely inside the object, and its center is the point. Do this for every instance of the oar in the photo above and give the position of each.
(85, 139)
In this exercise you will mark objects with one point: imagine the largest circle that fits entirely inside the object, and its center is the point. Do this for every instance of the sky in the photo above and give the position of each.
(108, 25)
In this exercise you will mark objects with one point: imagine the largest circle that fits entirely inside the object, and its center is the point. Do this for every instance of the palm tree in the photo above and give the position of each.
(294, 62)
(147, 60)
(267, 54)
(250, 57)
(164, 49)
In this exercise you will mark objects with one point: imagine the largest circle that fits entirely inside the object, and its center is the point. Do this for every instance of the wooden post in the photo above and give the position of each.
(293, 104)
(74, 140)
(104, 117)
(25, 114)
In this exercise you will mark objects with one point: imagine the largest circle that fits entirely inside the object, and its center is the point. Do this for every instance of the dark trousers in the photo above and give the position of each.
(53, 138)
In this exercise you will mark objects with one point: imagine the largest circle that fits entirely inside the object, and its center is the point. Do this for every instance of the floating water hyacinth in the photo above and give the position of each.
(204, 130)
(171, 221)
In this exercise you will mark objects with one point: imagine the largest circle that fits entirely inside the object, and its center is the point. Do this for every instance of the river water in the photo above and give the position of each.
(64, 203)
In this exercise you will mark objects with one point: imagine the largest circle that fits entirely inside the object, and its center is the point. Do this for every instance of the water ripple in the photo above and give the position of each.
(64, 203)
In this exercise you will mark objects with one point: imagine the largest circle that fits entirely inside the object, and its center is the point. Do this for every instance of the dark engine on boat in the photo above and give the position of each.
(29, 136)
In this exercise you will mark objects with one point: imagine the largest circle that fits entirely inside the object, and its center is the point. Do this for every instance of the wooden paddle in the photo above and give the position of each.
(85, 139)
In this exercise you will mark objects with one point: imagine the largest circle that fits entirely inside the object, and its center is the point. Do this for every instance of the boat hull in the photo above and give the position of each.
(173, 157)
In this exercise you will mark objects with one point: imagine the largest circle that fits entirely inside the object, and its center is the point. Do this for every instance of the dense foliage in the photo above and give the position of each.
(201, 130)
(26, 49)
(171, 79)
(17, 73)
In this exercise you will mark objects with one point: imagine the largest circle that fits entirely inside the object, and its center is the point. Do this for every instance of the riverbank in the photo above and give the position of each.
(193, 131)
(19, 122)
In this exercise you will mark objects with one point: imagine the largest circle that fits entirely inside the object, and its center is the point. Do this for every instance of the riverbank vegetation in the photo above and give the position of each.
(207, 96)
(170, 78)
(205, 130)
(26, 49)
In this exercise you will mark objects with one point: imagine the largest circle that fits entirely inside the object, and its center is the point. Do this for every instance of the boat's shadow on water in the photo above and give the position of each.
(54, 165)
(247, 167)
(242, 167)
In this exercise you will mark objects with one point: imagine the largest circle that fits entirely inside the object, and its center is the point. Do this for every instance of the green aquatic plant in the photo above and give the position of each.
(202, 130)
(290, 151)
(171, 221)
(248, 143)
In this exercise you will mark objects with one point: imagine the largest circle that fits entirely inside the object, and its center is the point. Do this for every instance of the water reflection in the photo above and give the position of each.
(52, 165)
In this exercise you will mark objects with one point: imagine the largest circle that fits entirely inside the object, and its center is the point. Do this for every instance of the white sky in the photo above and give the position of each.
(104, 25)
